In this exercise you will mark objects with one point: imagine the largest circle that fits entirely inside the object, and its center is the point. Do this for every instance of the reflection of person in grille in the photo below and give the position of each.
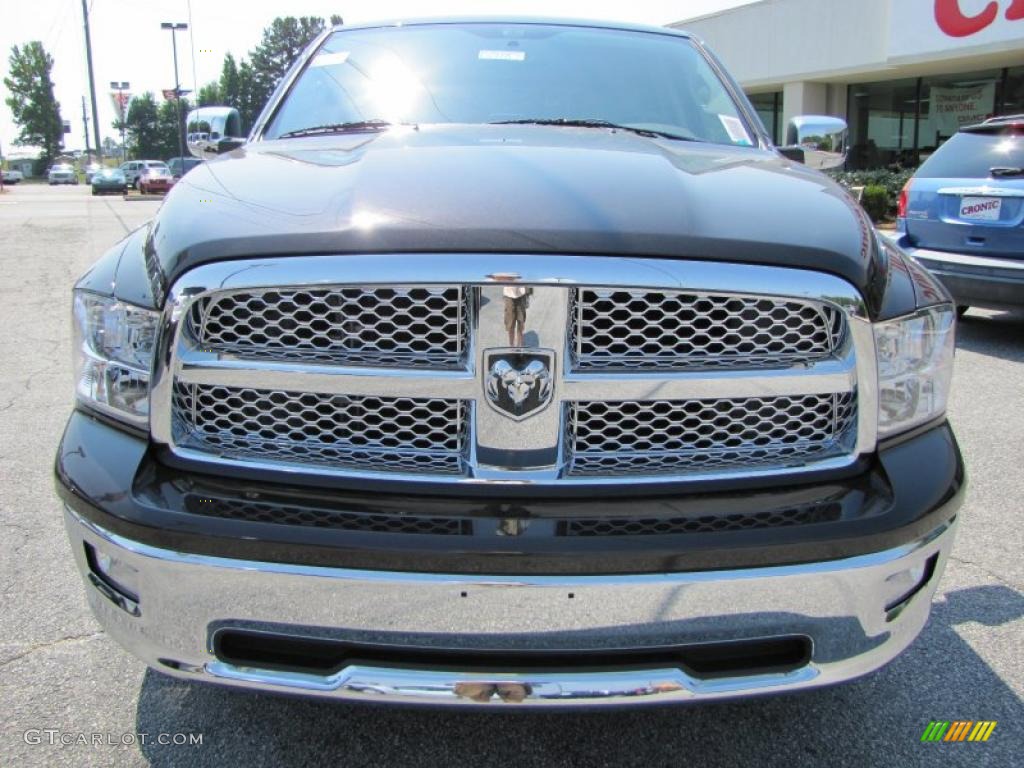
(517, 300)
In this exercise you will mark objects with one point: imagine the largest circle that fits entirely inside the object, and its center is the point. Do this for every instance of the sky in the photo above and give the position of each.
(128, 44)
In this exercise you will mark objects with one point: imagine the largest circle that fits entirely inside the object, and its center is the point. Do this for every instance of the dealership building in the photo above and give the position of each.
(905, 74)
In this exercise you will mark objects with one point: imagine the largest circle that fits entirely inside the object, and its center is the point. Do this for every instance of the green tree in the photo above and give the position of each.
(247, 84)
(249, 101)
(209, 95)
(229, 84)
(142, 126)
(282, 42)
(35, 109)
(168, 128)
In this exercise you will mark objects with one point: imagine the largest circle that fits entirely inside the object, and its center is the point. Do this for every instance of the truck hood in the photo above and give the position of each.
(513, 189)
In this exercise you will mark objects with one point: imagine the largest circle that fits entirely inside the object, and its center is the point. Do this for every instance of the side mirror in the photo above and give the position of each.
(213, 131)
(819, 141)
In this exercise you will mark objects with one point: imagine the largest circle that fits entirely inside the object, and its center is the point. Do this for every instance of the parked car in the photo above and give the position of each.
(132, 169)
(181, 165)
(108, 180)
(12, 177)
(962, 214)
(91, 170)
(155, 179)
(62, 174)
(533, 376)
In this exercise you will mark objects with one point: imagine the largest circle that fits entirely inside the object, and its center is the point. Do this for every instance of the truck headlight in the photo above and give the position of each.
(113, 350)
(915, 365)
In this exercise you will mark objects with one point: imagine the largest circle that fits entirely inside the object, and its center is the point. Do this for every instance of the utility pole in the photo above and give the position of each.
(92, 80)
(85, 123)
(174, 27)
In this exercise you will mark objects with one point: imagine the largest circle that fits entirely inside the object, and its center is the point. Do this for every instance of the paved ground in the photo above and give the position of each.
(58, 671)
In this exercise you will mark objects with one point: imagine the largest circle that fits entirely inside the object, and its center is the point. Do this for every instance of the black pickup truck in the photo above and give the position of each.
(509, 362)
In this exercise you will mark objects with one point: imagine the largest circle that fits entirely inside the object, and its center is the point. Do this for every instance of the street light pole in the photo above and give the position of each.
(174, 27)
(92, 81)
(122, 106)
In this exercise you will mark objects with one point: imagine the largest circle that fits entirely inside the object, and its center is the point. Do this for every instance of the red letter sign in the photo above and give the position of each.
(952, 21)
(1016, 11)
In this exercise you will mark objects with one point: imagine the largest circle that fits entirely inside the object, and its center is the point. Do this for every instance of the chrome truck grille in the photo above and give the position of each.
(417, 327)
(673, 330)
(671, 436)
(627, 371)
(398, 433)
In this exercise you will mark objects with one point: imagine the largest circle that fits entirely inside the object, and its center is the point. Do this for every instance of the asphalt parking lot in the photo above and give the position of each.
(59, 672)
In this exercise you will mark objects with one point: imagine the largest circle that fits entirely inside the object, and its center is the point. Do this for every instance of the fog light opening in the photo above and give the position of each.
(102, 568)
(927, 571)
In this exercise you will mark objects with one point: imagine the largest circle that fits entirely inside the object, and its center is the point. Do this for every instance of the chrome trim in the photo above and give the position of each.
(983, 191)
(529, 452)
(838, 604)
(531, 269)
(830, 375)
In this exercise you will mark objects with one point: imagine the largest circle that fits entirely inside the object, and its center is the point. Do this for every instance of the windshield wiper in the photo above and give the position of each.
(356, 126)
(1000, 170)
(593, 122)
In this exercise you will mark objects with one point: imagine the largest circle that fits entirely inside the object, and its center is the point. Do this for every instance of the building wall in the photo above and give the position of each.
(769, 43)
(904, 73)
(773, 42)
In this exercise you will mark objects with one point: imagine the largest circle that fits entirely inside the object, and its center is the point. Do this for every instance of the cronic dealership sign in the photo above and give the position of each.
(919, 27)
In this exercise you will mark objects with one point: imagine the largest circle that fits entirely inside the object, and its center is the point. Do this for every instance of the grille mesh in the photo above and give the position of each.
(782, 518)
(639, 437)
(315, 517)
(416, 327)
(373, 433)
(645, 330)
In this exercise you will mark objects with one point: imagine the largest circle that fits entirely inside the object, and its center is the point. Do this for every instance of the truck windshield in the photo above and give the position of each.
(496, 73)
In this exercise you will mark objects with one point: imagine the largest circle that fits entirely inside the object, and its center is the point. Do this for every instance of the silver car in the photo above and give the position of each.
(62, 174)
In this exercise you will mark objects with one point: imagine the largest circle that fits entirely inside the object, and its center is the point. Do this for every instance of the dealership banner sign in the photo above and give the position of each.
(921, 27)
(953, 107)
(120, 101)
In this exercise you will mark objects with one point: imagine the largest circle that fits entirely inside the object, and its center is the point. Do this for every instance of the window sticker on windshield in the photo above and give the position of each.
(330, 59)
(735, 129)
(503, 55)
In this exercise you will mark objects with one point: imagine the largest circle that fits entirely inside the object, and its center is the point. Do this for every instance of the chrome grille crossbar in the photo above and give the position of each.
(824, 376)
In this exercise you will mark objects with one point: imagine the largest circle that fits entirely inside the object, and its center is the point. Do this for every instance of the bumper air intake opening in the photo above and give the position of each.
(316, 656)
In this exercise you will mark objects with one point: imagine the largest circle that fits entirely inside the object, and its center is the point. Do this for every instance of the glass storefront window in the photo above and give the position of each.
(951, 101)
(769, 108)
(902, 122)
(881, 117)
(1012, 92)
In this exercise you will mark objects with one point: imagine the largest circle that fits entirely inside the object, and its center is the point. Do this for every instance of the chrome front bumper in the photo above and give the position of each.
(855, 612)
